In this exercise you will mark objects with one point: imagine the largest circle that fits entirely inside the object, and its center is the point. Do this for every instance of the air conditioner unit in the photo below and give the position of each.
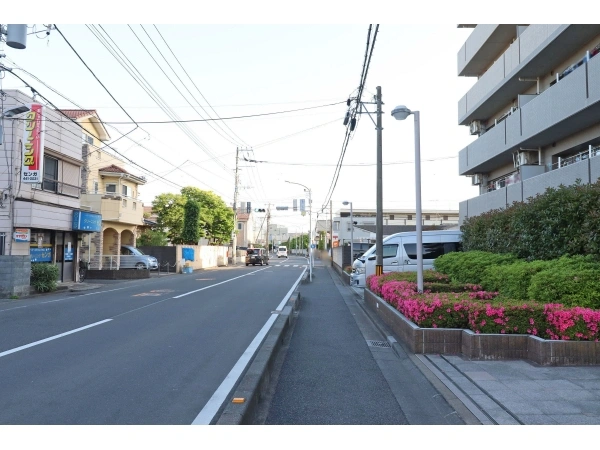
(476, 179)
(476, 127)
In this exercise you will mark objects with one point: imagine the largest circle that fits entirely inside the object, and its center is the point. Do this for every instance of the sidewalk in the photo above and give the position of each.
(515, 392)
(338, 368)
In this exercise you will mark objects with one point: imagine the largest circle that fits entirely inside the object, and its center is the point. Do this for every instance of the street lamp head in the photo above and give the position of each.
(346, 203)
(16, 111)
(401, 112)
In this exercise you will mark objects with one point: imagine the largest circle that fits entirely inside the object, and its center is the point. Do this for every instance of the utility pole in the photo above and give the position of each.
(379, 217)
(235, 196)
(267, 234)
(331, 230)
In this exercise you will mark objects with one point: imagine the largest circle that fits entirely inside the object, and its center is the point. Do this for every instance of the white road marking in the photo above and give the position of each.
(33, 344)
(217, 284)
(83, 295)
(214, 403)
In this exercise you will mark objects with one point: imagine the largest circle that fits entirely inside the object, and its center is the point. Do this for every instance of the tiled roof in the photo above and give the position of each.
(242, 216)
(113, 168)
(78, 113)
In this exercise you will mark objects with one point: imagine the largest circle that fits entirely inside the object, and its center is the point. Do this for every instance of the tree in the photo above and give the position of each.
(191, 223)
(215, 218)
(169, 208)
(154, 238)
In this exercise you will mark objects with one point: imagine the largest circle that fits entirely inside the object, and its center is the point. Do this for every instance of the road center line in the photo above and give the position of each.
(212, 406)
(33, 344)
(217, 284)
(82, 295)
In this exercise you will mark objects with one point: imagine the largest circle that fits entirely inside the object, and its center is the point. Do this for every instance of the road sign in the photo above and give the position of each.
(313, 246)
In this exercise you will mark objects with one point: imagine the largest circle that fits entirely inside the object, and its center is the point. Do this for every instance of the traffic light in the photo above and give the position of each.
(248, 207)
(259, 210)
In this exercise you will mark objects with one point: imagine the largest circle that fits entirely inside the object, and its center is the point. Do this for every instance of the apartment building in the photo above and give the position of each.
(534, 110)
(40, 187)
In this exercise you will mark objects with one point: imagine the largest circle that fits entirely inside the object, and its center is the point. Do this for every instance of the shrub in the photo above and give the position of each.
(508, 318)
(580, 324)
(512, 280)
(469, 267)
(44, 277)
(569, 286)
(561, 221)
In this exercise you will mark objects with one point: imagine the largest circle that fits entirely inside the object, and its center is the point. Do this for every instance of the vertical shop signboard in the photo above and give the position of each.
(32, 170)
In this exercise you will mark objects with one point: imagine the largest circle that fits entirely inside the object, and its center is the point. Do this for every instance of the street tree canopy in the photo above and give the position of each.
(215, 219)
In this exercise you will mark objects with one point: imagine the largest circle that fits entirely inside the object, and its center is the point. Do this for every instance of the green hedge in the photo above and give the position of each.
(44, 277)
(561, 221)
(513, 280)
(469, 267)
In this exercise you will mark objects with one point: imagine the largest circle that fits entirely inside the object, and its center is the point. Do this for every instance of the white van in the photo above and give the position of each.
(400, 250)
(282, 251)
(357, 277)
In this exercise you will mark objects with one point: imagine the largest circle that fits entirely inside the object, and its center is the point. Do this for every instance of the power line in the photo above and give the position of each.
(202, 95)
(230, 118)
(350, 126)
(152, 93)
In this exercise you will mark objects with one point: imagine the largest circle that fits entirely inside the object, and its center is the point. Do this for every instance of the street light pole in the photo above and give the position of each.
(351, 233)
(400, 113)
(310, 253)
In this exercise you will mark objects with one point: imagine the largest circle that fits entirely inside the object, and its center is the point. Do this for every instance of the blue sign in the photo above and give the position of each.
(68, 254)
(187, 254)
(43, 254)
(86, 221)
(313, 245)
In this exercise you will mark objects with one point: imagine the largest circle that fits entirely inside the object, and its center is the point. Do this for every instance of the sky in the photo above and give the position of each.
(222, 71)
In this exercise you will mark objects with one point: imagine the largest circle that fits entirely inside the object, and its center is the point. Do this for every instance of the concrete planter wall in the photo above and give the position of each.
(447, 341)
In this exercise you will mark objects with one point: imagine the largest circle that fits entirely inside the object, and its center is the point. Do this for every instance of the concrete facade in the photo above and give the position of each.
(42, 211)
(534, 110)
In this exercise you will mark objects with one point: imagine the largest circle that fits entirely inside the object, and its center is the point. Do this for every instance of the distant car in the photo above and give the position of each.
(282, 251)
(133, 258)
(256, 256)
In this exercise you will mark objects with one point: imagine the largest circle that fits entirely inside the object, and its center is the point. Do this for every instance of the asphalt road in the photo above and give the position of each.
(157, 351)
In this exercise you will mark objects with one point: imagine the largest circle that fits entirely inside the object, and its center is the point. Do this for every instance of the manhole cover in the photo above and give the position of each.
(379, 344)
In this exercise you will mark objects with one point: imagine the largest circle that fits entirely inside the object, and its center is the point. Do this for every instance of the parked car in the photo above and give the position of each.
(256, 256)
(133, 258)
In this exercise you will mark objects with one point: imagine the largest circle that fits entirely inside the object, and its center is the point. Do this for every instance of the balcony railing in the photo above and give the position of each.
(591, 152)
(499, 183)
(58, 187)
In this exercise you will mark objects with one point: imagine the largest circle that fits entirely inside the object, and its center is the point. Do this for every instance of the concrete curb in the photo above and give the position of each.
(254, 384)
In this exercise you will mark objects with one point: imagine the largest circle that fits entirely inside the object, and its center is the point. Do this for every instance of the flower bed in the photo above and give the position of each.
(465, 306)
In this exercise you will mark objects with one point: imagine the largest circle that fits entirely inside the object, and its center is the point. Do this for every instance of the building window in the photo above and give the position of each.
(445, 217)
(111, 188)
(336, 226)
(95, 186)
(409, 217)
(239, 225)
(134, 206)
(124, 190)
(50, 182)
(2, 242)
(427, 217)
(391, 217)
(124, 203)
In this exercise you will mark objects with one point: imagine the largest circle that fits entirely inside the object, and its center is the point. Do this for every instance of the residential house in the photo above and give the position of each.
(110, 190)
(533, 110)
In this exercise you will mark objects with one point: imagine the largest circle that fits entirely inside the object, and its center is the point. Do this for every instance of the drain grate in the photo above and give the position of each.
(379, 344)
